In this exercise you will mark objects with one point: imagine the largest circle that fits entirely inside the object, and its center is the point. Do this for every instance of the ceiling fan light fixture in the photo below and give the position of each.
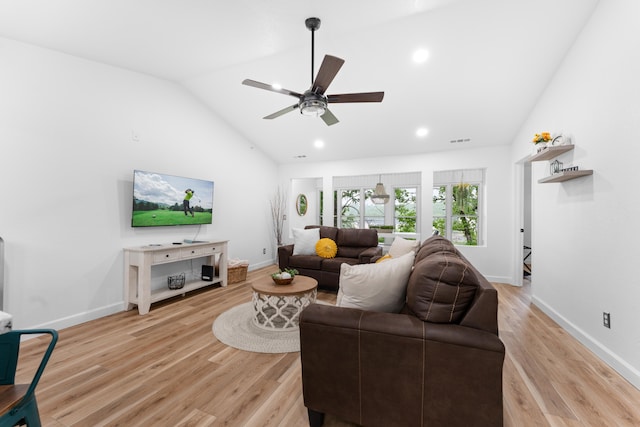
(313, 107)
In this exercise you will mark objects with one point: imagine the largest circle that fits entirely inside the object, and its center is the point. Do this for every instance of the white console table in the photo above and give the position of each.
(139, 260)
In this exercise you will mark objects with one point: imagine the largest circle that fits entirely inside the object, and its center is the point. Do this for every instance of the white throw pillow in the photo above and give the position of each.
(375, 287)
(304, 241)
(401, 246)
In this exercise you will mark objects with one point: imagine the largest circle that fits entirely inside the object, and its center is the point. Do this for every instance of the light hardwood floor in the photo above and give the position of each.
(167, 369)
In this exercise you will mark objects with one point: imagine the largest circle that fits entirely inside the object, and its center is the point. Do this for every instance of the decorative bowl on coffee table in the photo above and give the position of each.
(282, 281)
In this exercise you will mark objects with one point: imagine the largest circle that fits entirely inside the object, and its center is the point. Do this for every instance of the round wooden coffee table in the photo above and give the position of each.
(278, 307)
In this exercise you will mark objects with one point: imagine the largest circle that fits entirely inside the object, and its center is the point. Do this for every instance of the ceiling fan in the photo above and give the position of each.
(313, 102)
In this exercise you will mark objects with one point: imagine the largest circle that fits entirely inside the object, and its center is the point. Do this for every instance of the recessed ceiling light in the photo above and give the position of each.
(276, 86)
(420, 56)
(318, 143)
(422, 132)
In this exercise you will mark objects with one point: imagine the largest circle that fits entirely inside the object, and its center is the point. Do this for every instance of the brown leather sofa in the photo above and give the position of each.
(436, 363)
(355, 246)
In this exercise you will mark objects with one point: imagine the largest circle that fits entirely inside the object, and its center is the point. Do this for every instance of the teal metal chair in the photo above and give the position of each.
(18, 401)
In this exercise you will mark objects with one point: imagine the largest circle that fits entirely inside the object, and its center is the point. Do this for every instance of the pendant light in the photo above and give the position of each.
(379, 195)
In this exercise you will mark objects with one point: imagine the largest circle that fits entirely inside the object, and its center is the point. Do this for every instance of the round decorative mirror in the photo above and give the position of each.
(301, 204)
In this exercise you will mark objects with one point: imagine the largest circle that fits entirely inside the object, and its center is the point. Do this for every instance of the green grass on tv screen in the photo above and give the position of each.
(167, 217)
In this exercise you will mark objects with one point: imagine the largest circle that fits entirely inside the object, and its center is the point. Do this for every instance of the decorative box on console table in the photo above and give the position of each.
(139, 260)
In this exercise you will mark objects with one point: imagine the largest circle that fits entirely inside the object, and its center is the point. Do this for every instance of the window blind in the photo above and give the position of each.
(389, 180)
(457, 176)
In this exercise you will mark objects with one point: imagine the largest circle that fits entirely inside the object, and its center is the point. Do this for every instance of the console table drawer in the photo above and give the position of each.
(193, 252)
(212, 249)
(165, 256)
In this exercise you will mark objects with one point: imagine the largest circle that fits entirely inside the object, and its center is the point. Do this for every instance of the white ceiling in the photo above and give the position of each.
(489, 60)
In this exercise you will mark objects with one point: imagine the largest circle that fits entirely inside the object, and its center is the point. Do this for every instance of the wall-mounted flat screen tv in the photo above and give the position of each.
(160, 199)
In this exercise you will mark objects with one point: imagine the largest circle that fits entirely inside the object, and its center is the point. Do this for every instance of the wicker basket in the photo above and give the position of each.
(176, 282)
(237, 274)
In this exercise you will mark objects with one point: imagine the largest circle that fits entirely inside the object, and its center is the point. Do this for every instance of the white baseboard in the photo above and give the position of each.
(97, 313)
(79, 318)
(607, 356)
(261, 264)
(500, 279)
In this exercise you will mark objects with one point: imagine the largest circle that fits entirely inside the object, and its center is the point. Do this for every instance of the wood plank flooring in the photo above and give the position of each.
(167, 369)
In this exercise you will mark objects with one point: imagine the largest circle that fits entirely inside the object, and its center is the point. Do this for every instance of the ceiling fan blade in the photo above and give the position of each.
(259, 85)
(329, 118)
(328, 70)
(356, 97)
(281, 112)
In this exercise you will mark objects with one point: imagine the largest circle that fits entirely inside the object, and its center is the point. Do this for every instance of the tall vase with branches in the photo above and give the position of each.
(278, 206)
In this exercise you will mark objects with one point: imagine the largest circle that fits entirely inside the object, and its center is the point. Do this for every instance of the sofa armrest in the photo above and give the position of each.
(366, 256)
(284, 252)
(375, 368)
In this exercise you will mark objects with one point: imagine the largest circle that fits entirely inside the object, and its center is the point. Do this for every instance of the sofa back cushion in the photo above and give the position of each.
(434, 244)
(441, 288)
(357, 237)
(326, 232)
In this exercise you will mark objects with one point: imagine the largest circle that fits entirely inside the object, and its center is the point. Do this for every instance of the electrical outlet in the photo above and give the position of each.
(264, 251)
(606, 319)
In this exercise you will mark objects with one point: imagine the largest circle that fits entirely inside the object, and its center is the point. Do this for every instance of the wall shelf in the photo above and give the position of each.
(565, 176)
(550, 152)
(554, 151)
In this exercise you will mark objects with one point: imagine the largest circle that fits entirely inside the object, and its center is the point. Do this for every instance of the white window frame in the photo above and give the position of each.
(449, 179)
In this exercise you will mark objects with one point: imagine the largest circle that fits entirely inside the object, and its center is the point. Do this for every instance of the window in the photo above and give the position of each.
(457, 198)
(353, 207)
(350, 209)
(335, 208)
(405, 214)
(373, 213)
(357, 210)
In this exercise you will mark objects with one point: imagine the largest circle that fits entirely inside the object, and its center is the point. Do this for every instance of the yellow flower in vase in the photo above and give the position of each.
(540, 140)
(541, 137)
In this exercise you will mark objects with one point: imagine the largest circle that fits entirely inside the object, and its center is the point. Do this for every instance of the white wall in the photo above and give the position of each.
(67, 161)
(584, 236)
(308, 188)
(494, 259)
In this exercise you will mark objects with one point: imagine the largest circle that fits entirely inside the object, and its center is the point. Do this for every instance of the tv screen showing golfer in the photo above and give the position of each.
(161, 199)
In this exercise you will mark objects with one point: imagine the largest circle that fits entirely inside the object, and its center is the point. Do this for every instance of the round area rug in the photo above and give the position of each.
(235, 328)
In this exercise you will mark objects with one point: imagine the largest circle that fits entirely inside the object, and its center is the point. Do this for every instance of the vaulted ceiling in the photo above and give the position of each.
(487, 63)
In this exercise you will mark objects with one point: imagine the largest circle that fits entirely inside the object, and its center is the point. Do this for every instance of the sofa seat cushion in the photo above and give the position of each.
(309, 262)
(349, 251)
(441, 288)
(333, 264)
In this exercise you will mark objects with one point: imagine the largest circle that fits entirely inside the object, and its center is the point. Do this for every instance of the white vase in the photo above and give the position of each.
(538, 147)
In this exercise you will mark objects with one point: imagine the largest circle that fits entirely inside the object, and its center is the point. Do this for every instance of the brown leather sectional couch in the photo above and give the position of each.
(436, 363)
(355, 246)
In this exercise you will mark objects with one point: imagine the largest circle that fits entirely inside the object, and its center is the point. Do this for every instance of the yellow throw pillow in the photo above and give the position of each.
(383, 258)
(326, 248)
